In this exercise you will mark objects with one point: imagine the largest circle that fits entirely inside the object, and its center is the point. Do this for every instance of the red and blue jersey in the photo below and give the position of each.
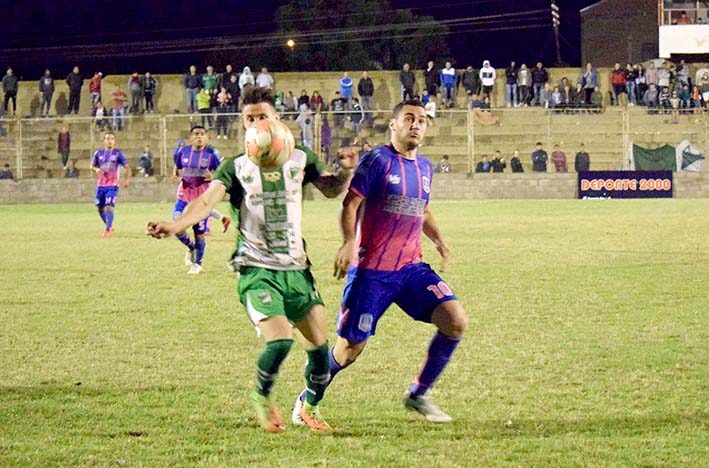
(108, 161)
(389, 223)
(194, 165)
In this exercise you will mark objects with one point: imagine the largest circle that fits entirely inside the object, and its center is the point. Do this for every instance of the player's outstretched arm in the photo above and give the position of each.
(194, 213)
(331, 185)
(348, 223)
(430, 229)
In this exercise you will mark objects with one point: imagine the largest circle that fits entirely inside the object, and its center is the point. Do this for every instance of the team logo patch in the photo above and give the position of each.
(294, 173)
(394, 179)
(272, 176)
(426, 184)
(365, 323)
(264, 297)
(248, 179)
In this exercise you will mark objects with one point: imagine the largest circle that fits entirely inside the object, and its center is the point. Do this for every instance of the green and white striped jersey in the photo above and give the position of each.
(268, 208)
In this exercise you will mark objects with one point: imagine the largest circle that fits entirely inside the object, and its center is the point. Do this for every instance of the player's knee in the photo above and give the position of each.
(347, 352)
(459, 324)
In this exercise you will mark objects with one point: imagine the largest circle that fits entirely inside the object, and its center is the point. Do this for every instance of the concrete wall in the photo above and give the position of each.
(448, 186)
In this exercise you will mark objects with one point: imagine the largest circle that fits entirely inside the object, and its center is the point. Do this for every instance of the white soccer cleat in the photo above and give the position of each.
(190, 257)
(195, 269)
(296, 418)
(424, 406)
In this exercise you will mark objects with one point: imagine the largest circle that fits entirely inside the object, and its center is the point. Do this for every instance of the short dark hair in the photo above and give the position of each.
(257, 95)
(407, 102)
(197, 127)
(539, 143)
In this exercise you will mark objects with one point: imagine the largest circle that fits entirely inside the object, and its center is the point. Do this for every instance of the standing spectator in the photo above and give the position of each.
(432, 80)
(682, 71)
(150, 86)
(540, 77)
(524, 79)
(223, 104)
(487, 78)
(145, 162)
(365, 89)
(6, 173)
(346, 90)
(316, 102)
(356, 117)
(209, 81)
(225, 77)
(135, 88)
(71, 172)
(46, 90)
(193, 82)
(265, 80)
(589, 81)
(448, 85)
(118, 99)
(9, 87)
(582, 161)
(511, 75)
(305, 122)
(408, 81)
(515, 163)
(675, 105)
(640, 83)
(498, 162)
(630, 77)
(337, 105)
(303, 100)
(232, 87)
(204, 106)
(558, 157)
(64, 145)
(75, 80)
(471, 83)
(618, 82)
(246, 79)
(664, 76)
(651, 76)
(539, 159)
(95, 88)
(325, 139)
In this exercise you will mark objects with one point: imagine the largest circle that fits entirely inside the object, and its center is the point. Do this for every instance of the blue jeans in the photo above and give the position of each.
(630, 89)
(191, 97)
(511, 94)
(121, 120)
(538, 87)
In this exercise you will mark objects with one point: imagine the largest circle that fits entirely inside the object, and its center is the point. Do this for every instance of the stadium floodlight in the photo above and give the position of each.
(555, 20)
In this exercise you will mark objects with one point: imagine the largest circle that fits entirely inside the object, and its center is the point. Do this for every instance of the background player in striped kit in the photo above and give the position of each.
(105, 163)
(388, 205)
(194, 164)
(275, 284)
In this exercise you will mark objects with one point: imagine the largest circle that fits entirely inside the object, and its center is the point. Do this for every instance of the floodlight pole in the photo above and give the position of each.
(555, 21)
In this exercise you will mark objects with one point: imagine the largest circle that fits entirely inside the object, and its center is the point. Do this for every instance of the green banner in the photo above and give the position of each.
(659, 159)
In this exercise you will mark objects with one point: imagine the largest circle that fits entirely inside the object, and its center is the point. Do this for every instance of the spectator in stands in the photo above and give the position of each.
(443, 166)
(685, 97)
(325, 138)
(223, 106)
(429, 106)
(150, 87)
(356, 117)
(487, 78)
(71, 172)
(135, 88)
(303, 100)
(567, 96)
(651, 97)
(95, 88)
(582, 161)
(558, 157)
(204, 106)
(210, 81)
(651, 75)
(64, 145)
(408, 81)
(432, 79)
(524, 79)
(118, 98)
(696, 97)
(515, 163)
(682, 70)
(498, 162)
(540, 77)
(545, 96)
(483, 165)
(46, 90)
(664, 76)
(316, 102)
(246, 79)
(265, 80)
(640, 83)
(557, 100)
(511, 76)
(75, 80)
(664, 99)
(684, 19)
(225, 77)
(597, 98)
(6, 173)
(337, 106)
(471, 83)
(675, 104)
(100, 117)
(346, 84)
(579, 100)
(193, 82)
(365, 89)
(305, 122)
(630, 77)
(589, 81)
(539, 159)
(448, 85)
(9, 87)
(290, 102)
(618, 82)
(232, 87)
(145, 162)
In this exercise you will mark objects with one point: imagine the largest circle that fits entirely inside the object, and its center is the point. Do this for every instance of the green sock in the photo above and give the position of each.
(317, 374)
(269, 362)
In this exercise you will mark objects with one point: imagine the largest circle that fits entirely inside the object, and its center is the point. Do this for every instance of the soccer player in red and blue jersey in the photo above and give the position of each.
(194, 164)
(383, 215)
(105, 163)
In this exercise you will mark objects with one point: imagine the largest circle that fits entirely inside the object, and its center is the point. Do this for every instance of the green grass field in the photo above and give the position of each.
(589, 331)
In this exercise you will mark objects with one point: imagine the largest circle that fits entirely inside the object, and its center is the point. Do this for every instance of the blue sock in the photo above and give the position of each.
(109, 219)
(200, 245)
(102, 214)
(185, 239)
(439, 353)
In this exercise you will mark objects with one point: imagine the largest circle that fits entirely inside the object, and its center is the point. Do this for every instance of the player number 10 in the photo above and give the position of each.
(441, 290)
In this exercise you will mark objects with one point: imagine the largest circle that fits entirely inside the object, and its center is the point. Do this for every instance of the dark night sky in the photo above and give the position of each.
(33, 27)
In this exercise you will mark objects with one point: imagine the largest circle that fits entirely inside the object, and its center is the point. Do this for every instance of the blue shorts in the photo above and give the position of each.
(416, 288)
(180, 206)
(106, 196)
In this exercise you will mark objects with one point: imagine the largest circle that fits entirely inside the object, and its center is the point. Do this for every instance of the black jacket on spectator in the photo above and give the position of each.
(432, 78)
(407, 78)
(539, 161)
(510, 75)
(46, 85)
(193, 81)
(498, 165)
(9, 84)
(365, 87)
(582, 161)
(471, 81)
(75, 81)
(516, 165)
(539, 76)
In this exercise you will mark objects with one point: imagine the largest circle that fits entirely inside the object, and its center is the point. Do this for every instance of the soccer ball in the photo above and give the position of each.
(269, 143)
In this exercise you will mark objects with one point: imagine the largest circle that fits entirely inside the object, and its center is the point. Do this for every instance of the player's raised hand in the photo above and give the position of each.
(347, 157)
(445, 252)
(159, 229)
(343, 258)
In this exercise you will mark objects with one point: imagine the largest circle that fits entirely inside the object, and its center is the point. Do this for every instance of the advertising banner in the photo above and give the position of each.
(625, 184)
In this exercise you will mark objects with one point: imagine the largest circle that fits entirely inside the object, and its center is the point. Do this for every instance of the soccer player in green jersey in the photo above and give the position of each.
(275, 284)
